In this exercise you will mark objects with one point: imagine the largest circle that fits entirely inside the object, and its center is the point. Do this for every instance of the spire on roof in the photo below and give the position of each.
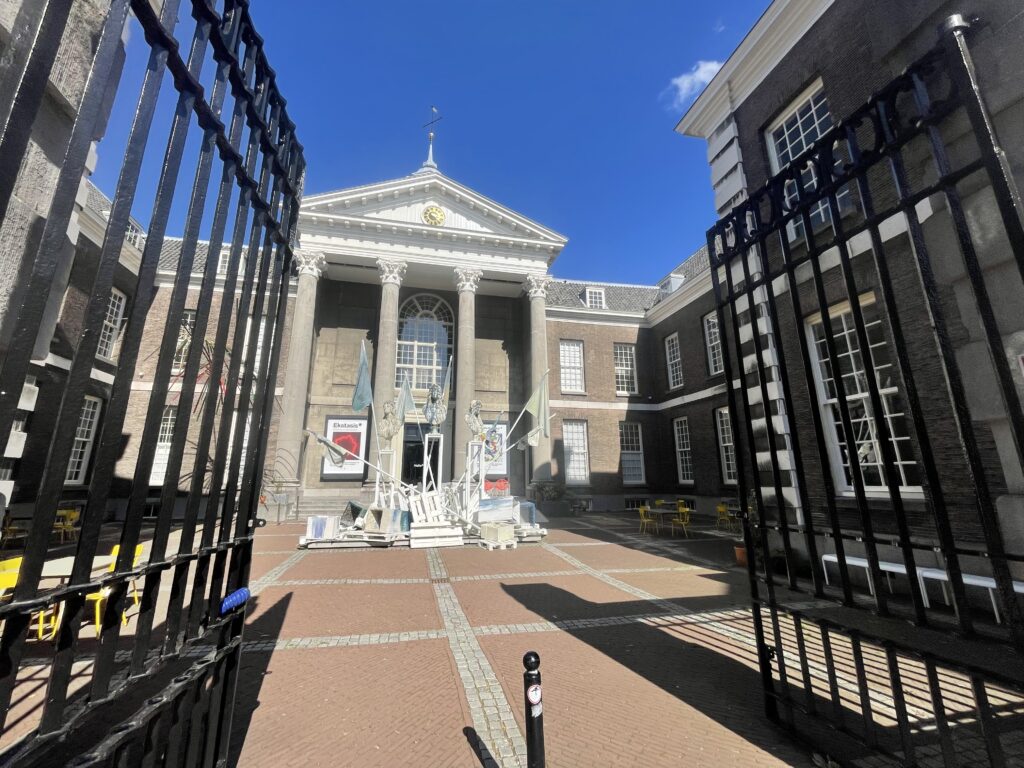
(430, 165)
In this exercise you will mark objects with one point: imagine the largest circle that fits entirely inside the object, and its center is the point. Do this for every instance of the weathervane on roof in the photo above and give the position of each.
(435, 118)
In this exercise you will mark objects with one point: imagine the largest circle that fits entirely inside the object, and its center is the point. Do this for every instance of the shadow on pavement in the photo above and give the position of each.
(479, 748)
(253, 670)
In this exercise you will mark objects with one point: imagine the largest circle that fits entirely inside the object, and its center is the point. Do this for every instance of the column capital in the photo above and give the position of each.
(310, 263)
(467, 278)
(391, 270)
(537, 286)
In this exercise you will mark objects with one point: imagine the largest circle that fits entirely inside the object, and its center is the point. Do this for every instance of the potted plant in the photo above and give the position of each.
(552, 498)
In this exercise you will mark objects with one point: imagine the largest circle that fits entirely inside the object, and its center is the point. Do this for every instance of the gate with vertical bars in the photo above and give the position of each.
(162, 692)
(876, 465)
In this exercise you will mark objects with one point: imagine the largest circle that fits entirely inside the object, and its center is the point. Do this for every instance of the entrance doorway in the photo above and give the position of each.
(412, 456)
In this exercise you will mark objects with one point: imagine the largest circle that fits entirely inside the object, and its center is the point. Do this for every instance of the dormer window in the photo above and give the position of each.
(595, 298)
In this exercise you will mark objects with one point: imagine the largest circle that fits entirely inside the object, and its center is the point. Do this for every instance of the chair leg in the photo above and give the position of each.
(99, 624)
(135, 593)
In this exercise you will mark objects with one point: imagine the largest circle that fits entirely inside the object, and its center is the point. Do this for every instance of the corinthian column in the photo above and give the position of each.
(467, 279)
(537, 288)
(391, 273)
(296, 378)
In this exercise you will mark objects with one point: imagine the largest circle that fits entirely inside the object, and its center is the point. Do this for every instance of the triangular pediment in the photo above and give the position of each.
(427, 201)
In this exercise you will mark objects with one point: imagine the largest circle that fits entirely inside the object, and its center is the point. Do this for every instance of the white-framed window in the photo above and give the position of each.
(673, 361)
(577, 456)
(713, 342)
(425, 332)
(111, 324)
(85, 435)
(684, 455)
(631, 448)
(188, 324)
(797, 128)
(163, 445)
(634, 502)
(624, 356)
(7, 469)
(726, 446)
(595, 298)
(851, 368)
(570, 362)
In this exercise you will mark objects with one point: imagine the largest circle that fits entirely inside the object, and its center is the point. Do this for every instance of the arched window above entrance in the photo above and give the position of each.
(425, 331)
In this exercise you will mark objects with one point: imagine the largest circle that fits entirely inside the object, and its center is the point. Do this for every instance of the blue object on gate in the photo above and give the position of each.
(234, 600)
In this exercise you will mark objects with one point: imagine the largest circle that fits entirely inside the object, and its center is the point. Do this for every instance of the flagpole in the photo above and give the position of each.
(348, 454)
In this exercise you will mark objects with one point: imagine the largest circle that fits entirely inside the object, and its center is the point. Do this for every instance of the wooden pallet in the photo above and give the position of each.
(492, 545)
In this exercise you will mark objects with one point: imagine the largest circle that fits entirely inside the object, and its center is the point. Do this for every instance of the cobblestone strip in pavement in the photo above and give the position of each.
(271, 576)
(492, 716)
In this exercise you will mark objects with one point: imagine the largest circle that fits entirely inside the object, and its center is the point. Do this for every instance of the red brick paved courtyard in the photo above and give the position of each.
(413, 657)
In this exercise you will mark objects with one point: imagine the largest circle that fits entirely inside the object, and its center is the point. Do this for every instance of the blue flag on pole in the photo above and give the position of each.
(363, 395)
(406, 404)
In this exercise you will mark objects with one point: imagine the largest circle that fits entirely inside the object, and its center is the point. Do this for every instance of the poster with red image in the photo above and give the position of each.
(349, 433)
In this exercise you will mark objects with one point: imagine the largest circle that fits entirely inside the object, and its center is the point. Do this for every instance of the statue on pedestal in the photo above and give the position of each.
(435, 410)
(388, 423)
(473, 420)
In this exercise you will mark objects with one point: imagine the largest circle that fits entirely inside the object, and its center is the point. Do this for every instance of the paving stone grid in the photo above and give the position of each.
(492, 707)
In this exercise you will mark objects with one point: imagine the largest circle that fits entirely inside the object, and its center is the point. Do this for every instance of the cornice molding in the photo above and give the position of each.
(780, 28)
(407, 185)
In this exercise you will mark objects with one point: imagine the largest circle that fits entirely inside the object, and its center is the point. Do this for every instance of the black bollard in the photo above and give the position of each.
(534, 711)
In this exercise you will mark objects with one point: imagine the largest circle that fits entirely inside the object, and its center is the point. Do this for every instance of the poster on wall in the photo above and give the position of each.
(494, 446)
(348, 432)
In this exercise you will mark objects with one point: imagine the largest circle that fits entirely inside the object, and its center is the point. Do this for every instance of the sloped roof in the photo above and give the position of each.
(693, 264)
(617, 297)
(171, 252)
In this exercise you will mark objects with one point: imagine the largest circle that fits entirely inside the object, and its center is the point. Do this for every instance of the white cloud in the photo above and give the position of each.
(719, 27)
(682, 88)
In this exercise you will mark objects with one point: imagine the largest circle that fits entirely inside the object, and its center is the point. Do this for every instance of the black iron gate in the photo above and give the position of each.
(847, 287)
(183, 654)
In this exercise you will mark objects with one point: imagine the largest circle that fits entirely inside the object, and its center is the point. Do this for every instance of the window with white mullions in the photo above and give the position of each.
(85, 435)
(425, 332)
(850, 365)
(726, 446)
(595, 298)
(574, 446)
(803, 123)
(570, 362)
(631, 449)
(713, 341)
(163, 445)
(684, 456)
(188, 324)
(673, 361)
(624, 356)
(111, 324)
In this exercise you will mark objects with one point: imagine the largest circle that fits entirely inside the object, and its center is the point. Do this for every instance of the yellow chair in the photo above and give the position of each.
(100, 598)
(647, 520)
(10, 569)
(11, 531)
(682, 518)
(65, 523)
(724, 517)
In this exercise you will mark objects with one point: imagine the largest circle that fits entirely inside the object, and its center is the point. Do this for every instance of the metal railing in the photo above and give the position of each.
(259, 163)
(817, 412)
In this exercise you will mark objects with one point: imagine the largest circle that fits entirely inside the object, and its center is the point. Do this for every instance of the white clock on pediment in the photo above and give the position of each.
(433, 216)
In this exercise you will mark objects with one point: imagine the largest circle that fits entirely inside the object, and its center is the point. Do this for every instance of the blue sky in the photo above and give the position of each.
(560, 109)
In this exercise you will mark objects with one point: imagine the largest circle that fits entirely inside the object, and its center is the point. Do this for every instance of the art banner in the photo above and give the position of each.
(348, 432)
(494, 445)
